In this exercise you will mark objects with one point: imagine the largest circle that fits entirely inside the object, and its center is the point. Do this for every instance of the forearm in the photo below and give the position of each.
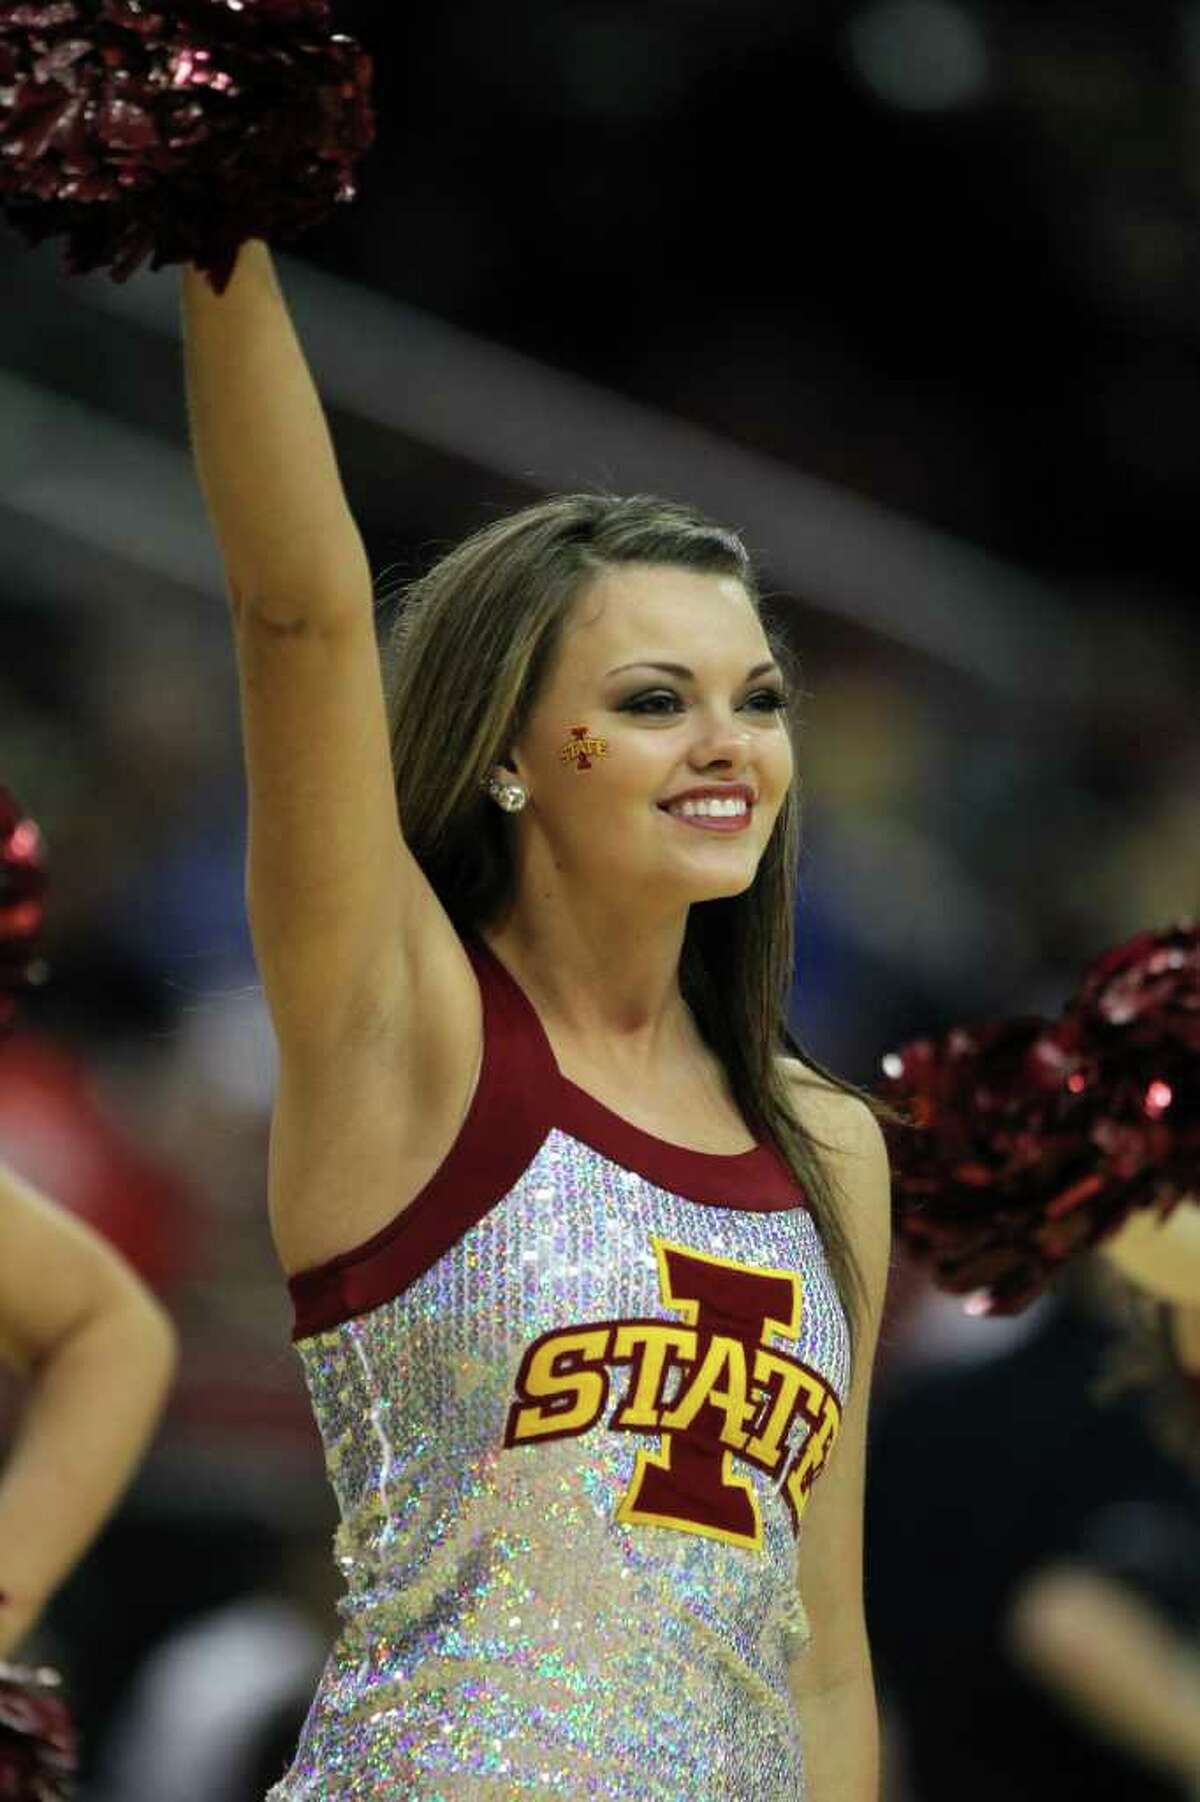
(1155, 1714)
(1107, 1655)
(839, 1725)
(261, 445)
(90, 1412)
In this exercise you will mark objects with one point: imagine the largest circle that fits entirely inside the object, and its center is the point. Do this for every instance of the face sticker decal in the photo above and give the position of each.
(581, 747)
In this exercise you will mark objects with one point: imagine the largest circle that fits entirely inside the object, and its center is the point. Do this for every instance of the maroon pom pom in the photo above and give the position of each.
(176, 134)
(1032, 1140)
(38, 1750)
(1147, 990)
(22, 902)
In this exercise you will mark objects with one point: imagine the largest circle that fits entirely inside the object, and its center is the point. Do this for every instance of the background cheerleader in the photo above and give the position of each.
(93, 1353)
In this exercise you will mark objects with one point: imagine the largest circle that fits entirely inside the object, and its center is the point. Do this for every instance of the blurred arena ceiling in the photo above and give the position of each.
(907, 290)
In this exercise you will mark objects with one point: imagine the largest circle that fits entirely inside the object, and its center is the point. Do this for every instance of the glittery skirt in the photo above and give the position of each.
(514, 1672)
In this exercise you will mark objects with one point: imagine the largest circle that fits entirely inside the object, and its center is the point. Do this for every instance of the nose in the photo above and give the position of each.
(720, 739)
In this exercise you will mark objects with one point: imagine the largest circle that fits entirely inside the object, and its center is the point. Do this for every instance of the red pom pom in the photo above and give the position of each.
(176, 134)
(1145, 992)
(37, 1737)
(22, 903)
(1032, 1140)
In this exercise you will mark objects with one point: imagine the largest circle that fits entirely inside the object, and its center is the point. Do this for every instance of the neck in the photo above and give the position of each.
(605, 988)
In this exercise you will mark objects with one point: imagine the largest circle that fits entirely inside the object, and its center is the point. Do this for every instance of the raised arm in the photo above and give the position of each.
(262, 448)
(374, 1003)
(329, 883)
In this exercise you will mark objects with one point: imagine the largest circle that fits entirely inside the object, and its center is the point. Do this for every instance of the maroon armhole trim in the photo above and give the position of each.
(498, 1140)
(520, 1096)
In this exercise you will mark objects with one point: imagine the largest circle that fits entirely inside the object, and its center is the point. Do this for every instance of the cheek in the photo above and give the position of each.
(644, 766)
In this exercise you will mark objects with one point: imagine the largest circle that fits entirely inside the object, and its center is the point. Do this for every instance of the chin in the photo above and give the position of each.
(719, 886)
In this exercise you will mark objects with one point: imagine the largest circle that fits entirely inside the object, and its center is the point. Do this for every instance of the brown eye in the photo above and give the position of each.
(764, 700)
(643, 703)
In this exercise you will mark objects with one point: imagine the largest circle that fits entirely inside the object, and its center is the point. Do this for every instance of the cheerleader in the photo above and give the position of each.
(586, 1264)
(94, 1353)
(97, 1354)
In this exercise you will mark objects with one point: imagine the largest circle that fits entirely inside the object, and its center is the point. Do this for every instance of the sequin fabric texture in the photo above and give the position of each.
(566, 1574)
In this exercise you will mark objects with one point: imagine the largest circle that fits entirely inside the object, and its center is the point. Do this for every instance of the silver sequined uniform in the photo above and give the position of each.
(504, 1635)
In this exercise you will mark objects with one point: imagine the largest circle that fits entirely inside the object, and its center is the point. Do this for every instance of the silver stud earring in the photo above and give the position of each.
(511, 796)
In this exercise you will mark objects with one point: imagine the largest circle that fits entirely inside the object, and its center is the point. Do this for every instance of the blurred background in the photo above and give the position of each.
(909, 292)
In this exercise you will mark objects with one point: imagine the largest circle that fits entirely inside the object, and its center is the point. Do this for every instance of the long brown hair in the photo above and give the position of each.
(463, 663)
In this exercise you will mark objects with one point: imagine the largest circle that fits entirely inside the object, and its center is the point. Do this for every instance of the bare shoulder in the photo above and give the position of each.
(850, 1139)
(830, 1113)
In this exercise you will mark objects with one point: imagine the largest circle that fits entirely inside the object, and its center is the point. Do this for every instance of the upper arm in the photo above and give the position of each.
(331, 886)
(829, 1561)
(56, 1274)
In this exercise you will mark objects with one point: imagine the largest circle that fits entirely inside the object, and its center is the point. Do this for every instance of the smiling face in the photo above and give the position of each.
(723, 726)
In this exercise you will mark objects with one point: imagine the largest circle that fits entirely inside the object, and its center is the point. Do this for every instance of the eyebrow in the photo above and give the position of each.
(681, 669)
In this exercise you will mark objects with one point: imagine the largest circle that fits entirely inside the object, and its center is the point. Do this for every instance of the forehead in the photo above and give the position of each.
(639, 610)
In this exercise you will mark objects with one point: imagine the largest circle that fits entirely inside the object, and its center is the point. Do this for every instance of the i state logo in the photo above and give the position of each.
(738, 1397)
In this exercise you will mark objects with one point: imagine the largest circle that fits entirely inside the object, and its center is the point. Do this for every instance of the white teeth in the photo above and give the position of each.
(715, 808)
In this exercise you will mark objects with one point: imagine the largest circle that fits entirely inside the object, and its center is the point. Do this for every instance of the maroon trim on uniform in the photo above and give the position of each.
(519, 1097)
(498, 1140)
(753, 1179)
(757, 1179)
